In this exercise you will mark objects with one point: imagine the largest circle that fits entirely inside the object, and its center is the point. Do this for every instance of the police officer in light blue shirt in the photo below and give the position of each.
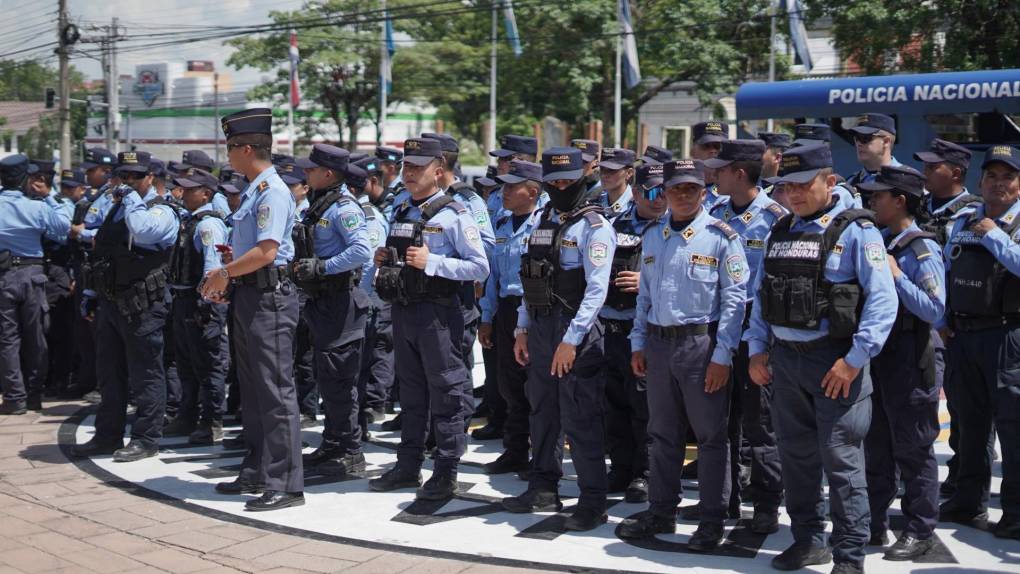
(874, 136)
(686, 328)
(821, 265)
(907, 381)
(656, 155)
(434, 245)
(706, 141)
(503, 291)
(626, 399)
(200, 337)
(616, 170)
(808, 134)
(565, 273)
(983, 330)
(332, 246)
(265, 307)
(511, 147)
(591, 152)
(23, 224)
(128, 271)
(747, 209)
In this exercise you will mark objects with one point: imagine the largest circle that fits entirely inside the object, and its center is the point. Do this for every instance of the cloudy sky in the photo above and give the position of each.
(35, 25)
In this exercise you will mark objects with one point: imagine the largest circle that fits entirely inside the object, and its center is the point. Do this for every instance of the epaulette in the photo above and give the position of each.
(264, 185)
(502, 221)
(725, 228)
(464, 189)
(776, 210)
(920, 249)
(368, 210)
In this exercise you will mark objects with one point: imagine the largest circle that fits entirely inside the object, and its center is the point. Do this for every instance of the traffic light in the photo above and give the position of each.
(51, 98)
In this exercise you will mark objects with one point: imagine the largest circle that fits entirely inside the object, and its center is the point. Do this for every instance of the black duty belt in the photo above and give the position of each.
(809, 346)
(681, 331)
(266, 278)
(968, 323)
(23, 261)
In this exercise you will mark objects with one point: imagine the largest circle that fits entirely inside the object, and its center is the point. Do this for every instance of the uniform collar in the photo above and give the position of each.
(690, 231)
(625, 199)
(1006, 218)
(757, 204)
(202, 209)
(12, 193)
(262, 176)
(149, 195)
(825, 217)
(895, 240)
(930, 199)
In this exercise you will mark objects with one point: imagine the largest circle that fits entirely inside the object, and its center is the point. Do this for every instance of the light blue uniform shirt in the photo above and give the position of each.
(754, 225)
(209, 233)
(24, 222)
(480, 213)
(266, 213)
(921, 285)
(455, 244)
(505, 263)
(711, 197)
(865, 176)
(67, 208)
(341, 236)
(631, 224)
(618, 207)
(219, 203)
(300, 209)
(96, 214)
(378, 228)
(495, 203)
(152, 228)
(692, 277)
(592, 247)
(859, 256)
(928, 204)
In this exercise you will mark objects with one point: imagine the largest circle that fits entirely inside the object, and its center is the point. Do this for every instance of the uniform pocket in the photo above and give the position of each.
(701, 294)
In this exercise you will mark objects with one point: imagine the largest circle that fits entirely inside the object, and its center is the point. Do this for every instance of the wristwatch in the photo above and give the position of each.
(224, 273)
(520, 331)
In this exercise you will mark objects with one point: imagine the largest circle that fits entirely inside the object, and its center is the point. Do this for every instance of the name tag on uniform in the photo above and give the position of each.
(704, 260)
(568, 243)
(432, 229)
(500, 240)
(649, 260)
(837, 249)
(627, 240)
(402, 230)
(542, 236)
(755, 244)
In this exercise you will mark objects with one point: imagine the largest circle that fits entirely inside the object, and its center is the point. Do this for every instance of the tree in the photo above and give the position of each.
(884, 36)
(26, 81)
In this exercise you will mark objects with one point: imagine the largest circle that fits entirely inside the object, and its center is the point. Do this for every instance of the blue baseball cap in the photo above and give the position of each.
(776, 140)
(649, 175)
(197, 178)
(14, 167)
(656, 154)
(562, 163)
(1006, 154)
(589, 149)
(95, 157)
(291, 173)
(712, 131)
(614, 158)
(422, 151)
(355, 176)
(868, 124)
(804, 134)
(801, 164)
(198, 158)
(389, 154)
(521, 170)
(72, 177)
(226, 172)
(678, 171)
(329, 157)
(940, 151)
(157, 167)
(737, 150)
(513, 144)
(901, 178)
(135, 161)
(448, 142)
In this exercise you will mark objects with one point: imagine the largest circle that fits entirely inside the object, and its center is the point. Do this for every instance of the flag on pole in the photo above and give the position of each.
(386, 67)
(295, 88)
(631, 67)
(510, 23)
(798, 33)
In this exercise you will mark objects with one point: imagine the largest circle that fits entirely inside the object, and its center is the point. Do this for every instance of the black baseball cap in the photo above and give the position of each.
(678, 171)
(562, 163)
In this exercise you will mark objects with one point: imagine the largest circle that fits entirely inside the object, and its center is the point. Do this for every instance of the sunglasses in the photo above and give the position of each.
(864, 138)
(132, 175)
(653, 193)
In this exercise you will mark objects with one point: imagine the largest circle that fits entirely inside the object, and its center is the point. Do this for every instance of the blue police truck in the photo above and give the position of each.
(973, 109)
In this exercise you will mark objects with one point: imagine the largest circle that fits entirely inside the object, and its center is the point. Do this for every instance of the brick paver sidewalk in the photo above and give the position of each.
(57, 518)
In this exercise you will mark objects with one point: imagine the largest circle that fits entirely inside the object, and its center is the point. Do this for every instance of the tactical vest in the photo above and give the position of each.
(627, 257)
(187, 265)
(59, 254)
(794, 291)
(938, 223)
(909, 325)
(396, 282)
(125, 264)
(304, 246)
(980, 286)
(545, 282)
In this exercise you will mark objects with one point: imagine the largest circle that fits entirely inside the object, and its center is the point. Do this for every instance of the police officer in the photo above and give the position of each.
(821, 263)
(626, 400)
(265, 308)
(874, 136)
(331, 246)
(98, 165)
(375, 379)
(24, 222)
(198, 159)
(434, 244)
(503, 291)
(748, 210)
(945, 170)
(905, 414)
(984, 335)
(685, 332)
(591, 152)
(616, 171)
(706, 141)
(128, 271)
(565, 274)
(813, 134)
(656, 155)
(775, 145)
(199, 325)
(486, 184)
(511, 147)
(390, 164)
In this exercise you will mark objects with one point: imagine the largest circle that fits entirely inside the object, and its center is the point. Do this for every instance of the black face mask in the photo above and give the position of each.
(569, 199)
(591, 179)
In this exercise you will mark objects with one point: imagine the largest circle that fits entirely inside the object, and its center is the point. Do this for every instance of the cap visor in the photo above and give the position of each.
(510, 179)
(227, 188)
(710, 138)
(928, 157)
(799, 176)
(865, 130)
(716, 163)
(487, 182)
(185, 182)
(650, 183)
(71, 183)
(1012, 164)
(290, 180)
(772, 180)
(305, 163)
(650, 160)
(419, 160)
(571, 175)
(875, 186)
(500, 153)
(587, 157)
(683, 179)
(134, 168)
(613, 165)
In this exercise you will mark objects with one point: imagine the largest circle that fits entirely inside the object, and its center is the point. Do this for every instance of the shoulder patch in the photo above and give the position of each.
(725, 228)
(736, 267)
(350, 221)
(875, 254)
(472, 235)
(263, 214)
(206, 236)
(598, 253)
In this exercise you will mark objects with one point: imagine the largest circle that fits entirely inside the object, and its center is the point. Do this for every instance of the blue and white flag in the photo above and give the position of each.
(798, 33)
(386, 63)
(510, 24)
(631, 67)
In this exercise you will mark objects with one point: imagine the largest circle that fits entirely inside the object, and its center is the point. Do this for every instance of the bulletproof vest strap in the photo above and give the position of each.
(502, 221)
(589, 212)
(432, 208)
(839, 225)
(958, 205)
(315, 211)
(462, 188)
(160, 201)
(368, 211)
(911, 240)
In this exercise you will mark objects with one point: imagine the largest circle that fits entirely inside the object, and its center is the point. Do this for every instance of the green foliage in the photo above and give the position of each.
(26, 81)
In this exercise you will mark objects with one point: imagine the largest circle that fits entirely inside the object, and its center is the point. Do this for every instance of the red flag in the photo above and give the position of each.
(295, 88)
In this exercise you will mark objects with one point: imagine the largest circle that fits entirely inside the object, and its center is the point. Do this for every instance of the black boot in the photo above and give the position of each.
(97, 447)
(393, 424)
(798, 556)
(207, 432)
(327, 450)
(275, 500)
(908, 548)
(395, 479)
(507, 462)
(637, 491)
(490, 431)
(584, 519)
(343, 465)
(647, 524)
(706, 538)
(534, 500)
(135, 450)
(440, 486)
(13, 408)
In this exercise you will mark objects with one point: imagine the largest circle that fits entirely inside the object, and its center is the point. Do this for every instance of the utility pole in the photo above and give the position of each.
(64, 109)
(113, 90)
(216, 115)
